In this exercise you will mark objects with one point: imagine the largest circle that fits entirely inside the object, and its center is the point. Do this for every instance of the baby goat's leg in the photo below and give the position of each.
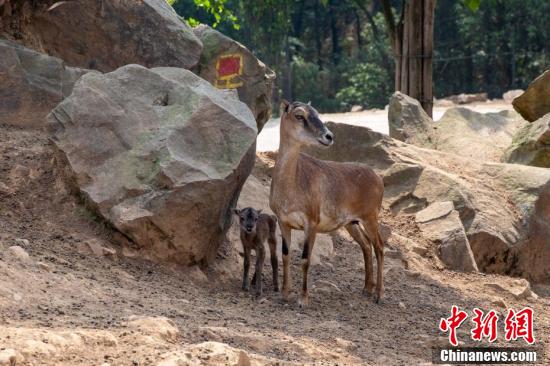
(260, 256)
(272, 240)
(246, 267)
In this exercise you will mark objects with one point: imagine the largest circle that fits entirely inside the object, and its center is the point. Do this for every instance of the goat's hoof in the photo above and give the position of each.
(276, 289)
(303, 302)
(368, 292)
(377, 299)
(245, 288)
(286, 295)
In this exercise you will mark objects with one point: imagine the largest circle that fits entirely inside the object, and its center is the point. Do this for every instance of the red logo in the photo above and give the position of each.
(485, 326)
(516, 325)
(452, 323)
(229, 69)
(520, 325)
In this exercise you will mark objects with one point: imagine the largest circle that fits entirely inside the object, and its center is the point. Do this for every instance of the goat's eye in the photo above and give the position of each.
(300, 118)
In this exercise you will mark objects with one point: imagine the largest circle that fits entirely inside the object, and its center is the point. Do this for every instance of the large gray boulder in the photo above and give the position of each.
(31, 84)
(105, 35)
(501, 206)
(481, 136)
(227, 64)
(158, 153)
(531, 144)
(461, 131)
(535, 102)
(409, 122)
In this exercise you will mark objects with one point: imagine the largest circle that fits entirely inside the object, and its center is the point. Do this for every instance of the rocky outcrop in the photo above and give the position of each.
(535, 102)
(31, 84)
(461, 131)
(227, 64)
(409, 122)
(158, 153)
(531, 144)
(105, 35)
(501, 206)
(480, 136)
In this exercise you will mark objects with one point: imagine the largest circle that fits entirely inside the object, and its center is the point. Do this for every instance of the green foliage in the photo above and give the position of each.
(313, 84)
(339, 53)
(216, 10)
(472, 4)
(501, 46)
(368, 86)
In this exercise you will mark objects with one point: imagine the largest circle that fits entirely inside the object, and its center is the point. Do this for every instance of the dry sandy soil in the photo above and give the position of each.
(66, 306)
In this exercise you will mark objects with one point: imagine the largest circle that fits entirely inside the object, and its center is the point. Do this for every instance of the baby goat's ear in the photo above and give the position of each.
(236, 211)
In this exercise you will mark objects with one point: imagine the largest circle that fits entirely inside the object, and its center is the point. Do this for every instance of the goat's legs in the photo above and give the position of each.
(246, 269)
(355, 231)
(371, 227)
(306, 256)
(286, 233)
(272, 240)
(260, 257)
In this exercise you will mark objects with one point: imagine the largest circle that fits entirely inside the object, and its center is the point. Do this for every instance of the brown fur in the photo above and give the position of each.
(264, 228)
(321, 196)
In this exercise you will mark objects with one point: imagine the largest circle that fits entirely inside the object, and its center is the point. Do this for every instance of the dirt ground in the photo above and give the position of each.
(66, 306)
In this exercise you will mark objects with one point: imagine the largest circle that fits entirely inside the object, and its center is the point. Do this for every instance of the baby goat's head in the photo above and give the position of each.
(248, 218)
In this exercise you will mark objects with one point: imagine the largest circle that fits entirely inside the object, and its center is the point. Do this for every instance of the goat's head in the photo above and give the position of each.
(300, 123)
(248, 218)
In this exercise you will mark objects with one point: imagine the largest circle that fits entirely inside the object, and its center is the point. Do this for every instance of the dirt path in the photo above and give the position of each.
(63, 306)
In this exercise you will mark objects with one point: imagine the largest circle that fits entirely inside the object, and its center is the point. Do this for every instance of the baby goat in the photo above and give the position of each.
(256, 227)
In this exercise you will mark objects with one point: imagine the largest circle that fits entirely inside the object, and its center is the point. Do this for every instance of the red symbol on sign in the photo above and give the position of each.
(519, 324)
(452, 323)
(485, 326)
(228, 69)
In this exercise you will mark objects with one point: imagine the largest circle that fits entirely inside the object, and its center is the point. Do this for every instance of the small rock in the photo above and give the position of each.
(22, 242)
(500, 303)
(17, 297)
(322, 285)
(211, 336)
(44, 266)
(519, 288)
(392, 254)
(421, 251)
(19, 253)
(356, 108)
(402, 305)
(434, 211)
(345, 344)
(244, 360)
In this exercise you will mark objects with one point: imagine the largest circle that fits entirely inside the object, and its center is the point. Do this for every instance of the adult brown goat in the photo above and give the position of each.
(319, 196)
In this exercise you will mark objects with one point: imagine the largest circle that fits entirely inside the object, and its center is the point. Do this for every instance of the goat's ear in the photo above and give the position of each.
(284, 106)
(236, 211)
(309, 103)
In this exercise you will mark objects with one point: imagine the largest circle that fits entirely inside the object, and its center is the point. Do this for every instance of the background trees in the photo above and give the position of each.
(338, 53)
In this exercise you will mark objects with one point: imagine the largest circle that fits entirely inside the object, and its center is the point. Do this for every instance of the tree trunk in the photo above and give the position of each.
(412, 41)
(287, 76)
